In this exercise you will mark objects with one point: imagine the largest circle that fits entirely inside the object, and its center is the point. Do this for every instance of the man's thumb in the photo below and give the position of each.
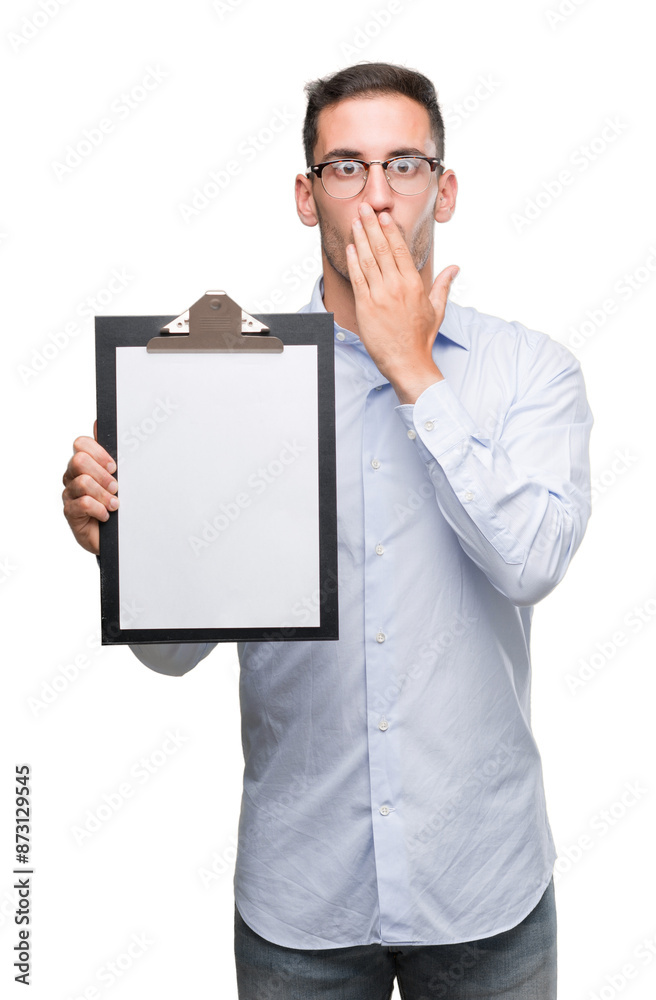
(439, 293)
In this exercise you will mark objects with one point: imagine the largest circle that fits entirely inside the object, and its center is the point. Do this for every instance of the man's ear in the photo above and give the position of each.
(305, 200)
(447, 191)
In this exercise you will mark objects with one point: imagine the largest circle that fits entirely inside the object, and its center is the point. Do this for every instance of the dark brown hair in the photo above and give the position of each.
(367, 79)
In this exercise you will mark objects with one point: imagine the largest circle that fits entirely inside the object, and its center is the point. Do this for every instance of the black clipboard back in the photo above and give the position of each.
(122, 618)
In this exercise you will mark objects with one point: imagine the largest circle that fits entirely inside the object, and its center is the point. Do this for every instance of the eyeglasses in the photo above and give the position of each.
(346, 178)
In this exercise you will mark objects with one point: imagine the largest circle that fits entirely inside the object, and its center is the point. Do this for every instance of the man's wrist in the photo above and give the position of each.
(410, 385)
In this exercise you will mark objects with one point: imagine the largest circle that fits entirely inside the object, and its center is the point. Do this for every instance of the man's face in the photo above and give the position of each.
(374, 128)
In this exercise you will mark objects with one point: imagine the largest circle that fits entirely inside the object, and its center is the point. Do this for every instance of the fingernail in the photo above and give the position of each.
(111, 467)
(113, 487)
(385, 218)
(113, 503)
(366, 209)
(357, 224)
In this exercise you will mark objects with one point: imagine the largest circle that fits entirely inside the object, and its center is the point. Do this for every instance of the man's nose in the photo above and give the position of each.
(377, 191)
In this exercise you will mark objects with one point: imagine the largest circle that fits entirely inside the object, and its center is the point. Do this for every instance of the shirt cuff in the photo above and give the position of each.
(439, 420)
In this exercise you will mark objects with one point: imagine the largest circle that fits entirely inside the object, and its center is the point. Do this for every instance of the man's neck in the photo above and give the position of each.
(338, 295)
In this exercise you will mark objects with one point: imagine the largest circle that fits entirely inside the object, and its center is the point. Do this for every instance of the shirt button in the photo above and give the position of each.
(469, 496)
(378, 388)
(412, 435)
(380, 637)
(380, 549)
(384, 810)
(429, 425)
(341, 336)
(383, 724)
(375, 464)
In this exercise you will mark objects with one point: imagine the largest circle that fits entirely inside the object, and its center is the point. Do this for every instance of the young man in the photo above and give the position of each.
(393, 821)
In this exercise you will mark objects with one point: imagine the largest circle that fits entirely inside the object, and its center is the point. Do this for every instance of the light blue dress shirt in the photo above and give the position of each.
(393, 789)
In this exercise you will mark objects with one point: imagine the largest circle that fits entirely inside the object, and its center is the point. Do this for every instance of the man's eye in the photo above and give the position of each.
(408, 165)
(347, 168)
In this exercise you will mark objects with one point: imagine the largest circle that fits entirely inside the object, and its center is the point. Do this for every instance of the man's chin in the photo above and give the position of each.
(339, 268)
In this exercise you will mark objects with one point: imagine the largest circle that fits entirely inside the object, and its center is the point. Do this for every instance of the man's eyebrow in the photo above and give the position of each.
(342, 153)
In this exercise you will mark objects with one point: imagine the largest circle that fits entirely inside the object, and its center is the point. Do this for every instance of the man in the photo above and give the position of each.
(393, 821)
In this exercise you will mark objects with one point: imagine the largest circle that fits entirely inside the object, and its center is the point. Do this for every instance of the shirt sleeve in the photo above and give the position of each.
(520, 502)
(172, 658)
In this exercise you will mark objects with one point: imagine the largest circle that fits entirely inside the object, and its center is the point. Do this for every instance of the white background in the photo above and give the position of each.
(524, 93)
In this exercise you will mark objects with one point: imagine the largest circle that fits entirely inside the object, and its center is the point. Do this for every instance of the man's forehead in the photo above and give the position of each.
(376, 125)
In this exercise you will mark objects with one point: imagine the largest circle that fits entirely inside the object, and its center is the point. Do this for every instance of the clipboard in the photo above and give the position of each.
(222, 426)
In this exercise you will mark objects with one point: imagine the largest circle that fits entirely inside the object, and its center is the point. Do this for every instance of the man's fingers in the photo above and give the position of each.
(78, 511)
(374, 244)
(83, 516)
(358, 280)
(82, 464)
(398, 246)
(366, 257)
(85, 485)
(97, 452)
(439, 293)
(90, 489)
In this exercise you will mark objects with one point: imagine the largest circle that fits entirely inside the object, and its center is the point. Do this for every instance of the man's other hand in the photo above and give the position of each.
(397, 320)
(90, 489)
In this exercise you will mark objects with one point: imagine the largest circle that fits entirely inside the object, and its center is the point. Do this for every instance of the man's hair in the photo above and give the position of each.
(366, 80)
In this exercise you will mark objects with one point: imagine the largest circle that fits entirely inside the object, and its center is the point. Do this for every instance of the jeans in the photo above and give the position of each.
(518, 964)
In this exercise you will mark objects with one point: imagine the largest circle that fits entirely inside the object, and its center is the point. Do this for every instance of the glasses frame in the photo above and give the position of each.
(318, 168)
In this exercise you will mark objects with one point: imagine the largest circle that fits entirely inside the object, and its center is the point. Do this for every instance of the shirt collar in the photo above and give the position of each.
(451, 328)
(342, 335)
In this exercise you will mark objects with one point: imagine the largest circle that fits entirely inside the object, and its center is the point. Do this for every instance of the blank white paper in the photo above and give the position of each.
(218, 482)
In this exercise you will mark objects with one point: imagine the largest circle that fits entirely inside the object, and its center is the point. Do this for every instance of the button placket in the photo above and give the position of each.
(379, 617)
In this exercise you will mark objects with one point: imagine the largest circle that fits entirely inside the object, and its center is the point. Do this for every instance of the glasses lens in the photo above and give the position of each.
(405, 175)
(344, 178)
(408, 175)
